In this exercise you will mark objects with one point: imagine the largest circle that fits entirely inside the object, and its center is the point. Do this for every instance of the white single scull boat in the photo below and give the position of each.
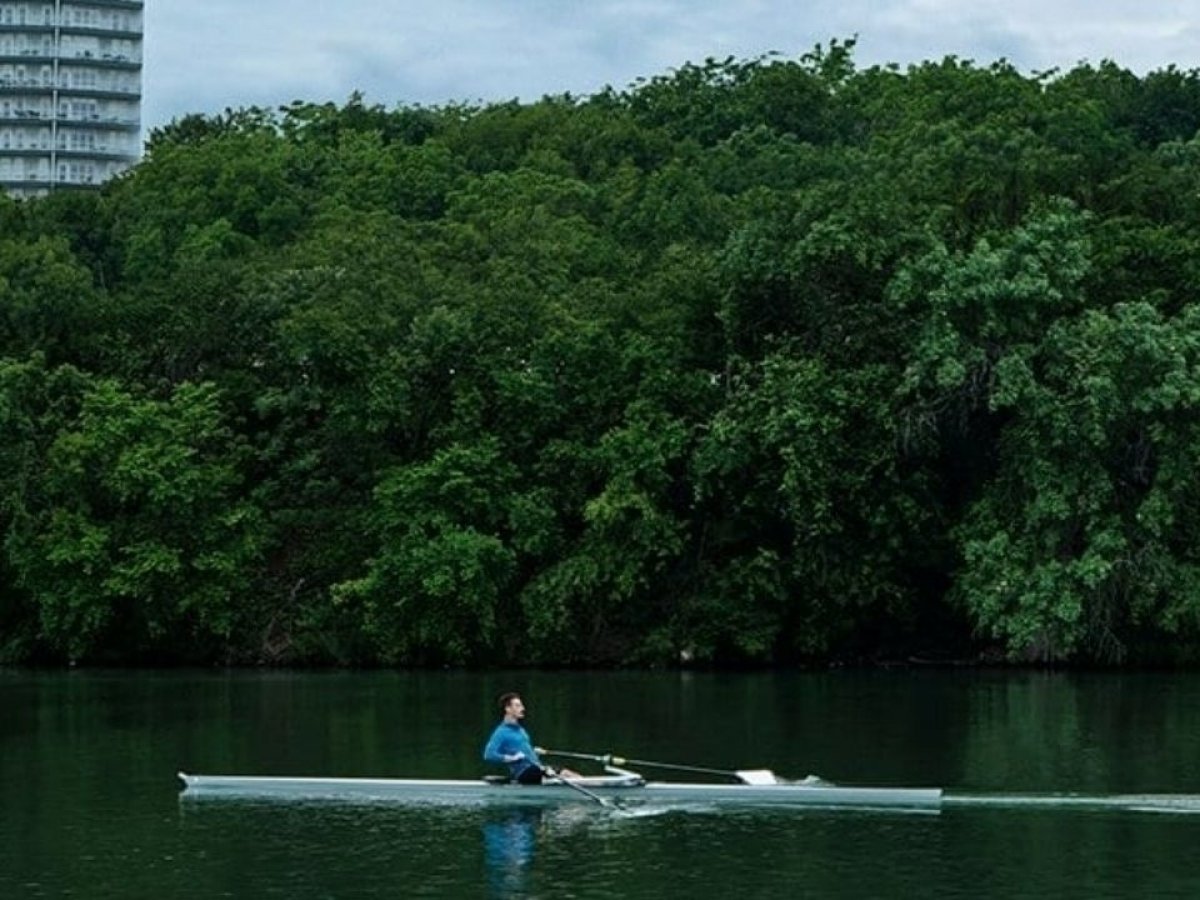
(620, 786)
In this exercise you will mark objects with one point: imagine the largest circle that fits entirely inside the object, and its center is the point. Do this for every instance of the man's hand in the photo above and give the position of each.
(514, 757)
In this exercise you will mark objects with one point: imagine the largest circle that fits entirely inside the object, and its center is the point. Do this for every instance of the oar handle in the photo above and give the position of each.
(605, 758)
(609, 760)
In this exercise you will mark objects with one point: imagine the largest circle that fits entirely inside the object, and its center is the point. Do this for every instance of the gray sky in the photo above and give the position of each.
(206, 55)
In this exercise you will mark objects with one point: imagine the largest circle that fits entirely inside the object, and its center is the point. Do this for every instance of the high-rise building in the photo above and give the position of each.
(70, 92)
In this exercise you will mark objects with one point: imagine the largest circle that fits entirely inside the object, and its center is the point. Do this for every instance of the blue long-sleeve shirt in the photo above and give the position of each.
(507, 739)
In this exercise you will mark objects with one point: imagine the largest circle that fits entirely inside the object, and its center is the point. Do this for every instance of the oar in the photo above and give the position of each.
(746, 776)
(603, 801)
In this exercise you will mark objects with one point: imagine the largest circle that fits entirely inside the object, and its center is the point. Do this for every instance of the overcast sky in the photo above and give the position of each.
(206, 55)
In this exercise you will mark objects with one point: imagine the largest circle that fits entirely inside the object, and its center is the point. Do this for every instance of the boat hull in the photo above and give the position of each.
(624, 790)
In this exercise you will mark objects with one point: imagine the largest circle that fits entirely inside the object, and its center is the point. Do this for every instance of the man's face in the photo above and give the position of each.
(515, 708)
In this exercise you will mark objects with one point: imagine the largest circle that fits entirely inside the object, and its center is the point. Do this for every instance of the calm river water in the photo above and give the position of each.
(89, 804)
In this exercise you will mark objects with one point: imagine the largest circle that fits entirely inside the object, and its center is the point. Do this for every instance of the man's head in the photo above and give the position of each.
(512, 707)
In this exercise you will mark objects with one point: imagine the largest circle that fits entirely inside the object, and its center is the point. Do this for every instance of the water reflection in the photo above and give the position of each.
(89, 806)
(509, 844)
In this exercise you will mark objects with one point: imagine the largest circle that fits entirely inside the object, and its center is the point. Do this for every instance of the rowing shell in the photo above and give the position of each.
(624, 788)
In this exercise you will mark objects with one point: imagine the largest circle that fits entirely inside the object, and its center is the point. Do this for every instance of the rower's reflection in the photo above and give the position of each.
(510, 840)
(509, 844)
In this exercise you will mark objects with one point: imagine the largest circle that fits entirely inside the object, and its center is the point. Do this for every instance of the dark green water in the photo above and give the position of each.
(89, 806)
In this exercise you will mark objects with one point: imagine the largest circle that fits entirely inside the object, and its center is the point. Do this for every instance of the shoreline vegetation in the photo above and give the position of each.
(758, 362)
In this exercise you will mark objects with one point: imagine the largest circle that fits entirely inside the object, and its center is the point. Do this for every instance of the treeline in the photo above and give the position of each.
(763, 361)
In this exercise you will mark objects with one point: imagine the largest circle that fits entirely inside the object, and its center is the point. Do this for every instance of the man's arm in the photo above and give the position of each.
(496, 749)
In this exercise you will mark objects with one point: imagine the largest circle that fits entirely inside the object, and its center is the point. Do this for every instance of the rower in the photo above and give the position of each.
(510, 745)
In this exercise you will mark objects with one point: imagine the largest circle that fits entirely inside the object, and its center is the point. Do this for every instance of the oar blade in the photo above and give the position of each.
(757, 776)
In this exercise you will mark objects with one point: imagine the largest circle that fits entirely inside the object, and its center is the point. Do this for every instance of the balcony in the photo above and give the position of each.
(99, 60)
(26, 187)
(74, 139)
(30, 28)
(84, 58)
(95, 123)
(129, 5)
(31, 89)
(26, 117)
(100, 93)
(108, 155)
(16, 83)
(68, 27)
(10, 86)
(27, 57)
(94, 31)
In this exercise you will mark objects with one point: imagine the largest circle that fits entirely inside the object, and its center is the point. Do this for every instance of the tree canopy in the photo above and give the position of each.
(759, 361)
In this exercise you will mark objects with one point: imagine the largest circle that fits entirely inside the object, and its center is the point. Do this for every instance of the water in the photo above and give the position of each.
(89, 806)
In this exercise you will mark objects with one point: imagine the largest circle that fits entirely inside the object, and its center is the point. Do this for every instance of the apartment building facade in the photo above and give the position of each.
(70, 92)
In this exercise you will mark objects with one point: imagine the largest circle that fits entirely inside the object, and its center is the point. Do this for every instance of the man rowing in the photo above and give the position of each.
(511, 746)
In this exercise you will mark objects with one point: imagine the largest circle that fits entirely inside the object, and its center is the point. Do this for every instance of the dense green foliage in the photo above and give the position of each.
(762, 361)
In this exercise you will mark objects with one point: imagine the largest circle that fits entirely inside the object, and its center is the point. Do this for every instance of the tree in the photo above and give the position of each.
(129, 534)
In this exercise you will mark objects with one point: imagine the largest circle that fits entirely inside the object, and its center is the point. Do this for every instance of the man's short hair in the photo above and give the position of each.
(507, 698)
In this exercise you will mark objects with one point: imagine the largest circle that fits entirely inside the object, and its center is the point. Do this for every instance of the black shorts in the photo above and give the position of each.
(531, 775)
